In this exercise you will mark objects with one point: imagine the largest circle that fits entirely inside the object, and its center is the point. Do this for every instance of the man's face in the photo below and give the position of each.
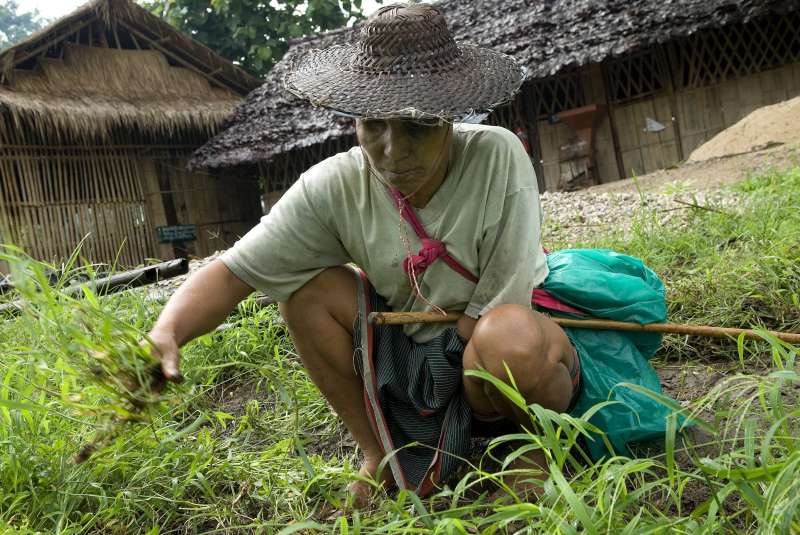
(407, 154)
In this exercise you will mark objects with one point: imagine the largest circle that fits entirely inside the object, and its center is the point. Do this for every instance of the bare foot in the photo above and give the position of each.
(526, 479)
(362, 491)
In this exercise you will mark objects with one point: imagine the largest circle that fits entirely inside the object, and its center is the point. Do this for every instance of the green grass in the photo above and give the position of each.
(247, 444)
(723, 267)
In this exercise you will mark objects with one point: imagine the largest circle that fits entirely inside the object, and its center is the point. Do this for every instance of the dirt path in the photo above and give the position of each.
(710, 174)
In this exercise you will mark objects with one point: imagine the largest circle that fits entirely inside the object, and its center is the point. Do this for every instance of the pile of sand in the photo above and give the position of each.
(766, 127)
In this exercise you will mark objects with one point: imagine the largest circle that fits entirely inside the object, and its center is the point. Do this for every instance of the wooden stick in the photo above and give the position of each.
(404, 318)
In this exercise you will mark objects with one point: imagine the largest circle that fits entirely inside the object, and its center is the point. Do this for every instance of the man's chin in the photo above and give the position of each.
(400, 180)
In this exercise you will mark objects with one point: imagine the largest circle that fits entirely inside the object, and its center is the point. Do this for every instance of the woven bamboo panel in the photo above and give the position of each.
(52, 198)
(734, 51)
(636, 76)
(644, 151)
(557, 93)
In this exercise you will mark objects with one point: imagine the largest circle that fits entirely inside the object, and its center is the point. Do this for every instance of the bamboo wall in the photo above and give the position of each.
(705, 111)
(113, 198)
(691, 116)
(51, 198)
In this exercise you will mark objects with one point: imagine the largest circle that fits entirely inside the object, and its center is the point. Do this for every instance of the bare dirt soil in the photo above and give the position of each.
(765, 127)
(767, 138)
(712, 173)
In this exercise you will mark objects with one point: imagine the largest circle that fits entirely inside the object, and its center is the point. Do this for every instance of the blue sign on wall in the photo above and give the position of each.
(177, 233)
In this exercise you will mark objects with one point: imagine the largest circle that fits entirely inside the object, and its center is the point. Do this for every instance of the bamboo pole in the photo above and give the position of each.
(58, 194)
(115, 170)
(12, 193)
(135, 203)
(404, 318)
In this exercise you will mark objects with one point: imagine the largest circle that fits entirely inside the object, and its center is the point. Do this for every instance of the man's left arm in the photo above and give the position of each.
(510, 258)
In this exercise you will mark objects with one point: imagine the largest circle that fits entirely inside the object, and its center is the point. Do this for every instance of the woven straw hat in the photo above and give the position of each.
(406, 65)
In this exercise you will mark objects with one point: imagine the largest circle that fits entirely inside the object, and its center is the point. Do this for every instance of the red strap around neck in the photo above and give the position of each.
(431, 249)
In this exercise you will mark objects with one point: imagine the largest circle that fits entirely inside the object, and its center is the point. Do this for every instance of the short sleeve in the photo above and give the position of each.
(291, 245)
(511, 261)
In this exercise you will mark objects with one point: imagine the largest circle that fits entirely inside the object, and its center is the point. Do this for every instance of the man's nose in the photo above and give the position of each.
(397, 143)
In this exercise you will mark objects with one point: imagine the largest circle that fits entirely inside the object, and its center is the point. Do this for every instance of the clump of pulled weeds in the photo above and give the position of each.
(91, 344)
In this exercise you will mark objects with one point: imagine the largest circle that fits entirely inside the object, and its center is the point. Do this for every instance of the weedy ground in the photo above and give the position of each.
(247, 444)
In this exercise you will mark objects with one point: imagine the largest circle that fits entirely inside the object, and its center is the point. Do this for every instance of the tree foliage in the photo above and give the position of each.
(15, 27)
(254, 33)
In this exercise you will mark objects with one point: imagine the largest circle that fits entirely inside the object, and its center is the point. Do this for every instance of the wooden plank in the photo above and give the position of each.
(550, 154)
(750, 91)
(632, 159)
(628, 118)
(605, 158)
(140, 180)
(154, 203)
(133, 234)
(713, 119)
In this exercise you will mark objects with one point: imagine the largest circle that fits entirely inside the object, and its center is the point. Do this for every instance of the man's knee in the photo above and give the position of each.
(332, 290)
(510, 336)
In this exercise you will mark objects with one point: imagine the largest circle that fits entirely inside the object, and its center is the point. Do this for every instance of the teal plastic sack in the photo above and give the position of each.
(609, 285)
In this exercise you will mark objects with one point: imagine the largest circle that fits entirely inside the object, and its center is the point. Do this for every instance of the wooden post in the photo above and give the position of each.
(168, 201)
(662, 60)
(612, 122)
(532, 129)
(155, 205)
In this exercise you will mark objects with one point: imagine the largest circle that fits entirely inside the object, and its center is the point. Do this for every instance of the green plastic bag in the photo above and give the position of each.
(609, 285)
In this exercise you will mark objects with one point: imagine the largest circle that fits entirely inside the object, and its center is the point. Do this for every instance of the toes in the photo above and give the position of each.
(361, 493)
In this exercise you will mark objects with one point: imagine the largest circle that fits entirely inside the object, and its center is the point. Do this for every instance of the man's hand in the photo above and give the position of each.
(164, 346)
(199, 305)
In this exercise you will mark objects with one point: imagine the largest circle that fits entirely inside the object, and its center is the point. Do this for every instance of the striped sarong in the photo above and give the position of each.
(413, 396)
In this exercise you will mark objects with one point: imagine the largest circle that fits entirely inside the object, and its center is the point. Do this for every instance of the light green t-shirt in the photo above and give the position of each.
(486, 211)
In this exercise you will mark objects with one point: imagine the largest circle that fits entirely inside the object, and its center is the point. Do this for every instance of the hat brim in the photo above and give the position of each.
(478, 81)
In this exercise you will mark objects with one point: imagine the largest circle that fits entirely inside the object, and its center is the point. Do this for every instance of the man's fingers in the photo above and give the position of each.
(168, 355)
(169, 366)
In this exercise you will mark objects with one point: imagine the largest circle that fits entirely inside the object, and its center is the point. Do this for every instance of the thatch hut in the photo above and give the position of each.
(99, 113)
(616, 88)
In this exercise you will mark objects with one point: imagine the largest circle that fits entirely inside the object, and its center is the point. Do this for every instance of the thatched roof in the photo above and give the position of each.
(548, 36)
(112, 64)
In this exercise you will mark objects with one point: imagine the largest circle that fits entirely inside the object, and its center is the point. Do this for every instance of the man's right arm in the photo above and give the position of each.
(199, 306)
